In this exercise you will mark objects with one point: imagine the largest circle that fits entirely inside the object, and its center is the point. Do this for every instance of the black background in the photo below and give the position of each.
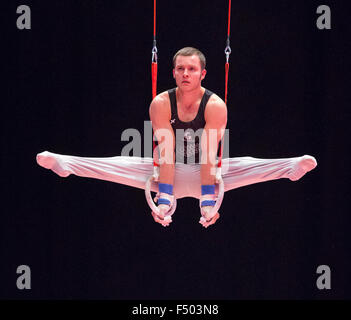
(81, 76)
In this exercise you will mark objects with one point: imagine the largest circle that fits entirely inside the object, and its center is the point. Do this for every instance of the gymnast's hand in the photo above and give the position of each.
(207, 218)
(165, 200)
(162, 218)
(207, 202)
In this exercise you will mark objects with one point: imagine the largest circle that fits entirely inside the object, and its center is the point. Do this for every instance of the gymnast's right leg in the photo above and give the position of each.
(132, 171)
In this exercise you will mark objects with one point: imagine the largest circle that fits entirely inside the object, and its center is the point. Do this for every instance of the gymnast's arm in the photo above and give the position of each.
(216, 121)
(160, 116)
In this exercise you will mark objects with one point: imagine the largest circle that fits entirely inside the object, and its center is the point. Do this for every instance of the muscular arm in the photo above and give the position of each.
(160, 116)
(216, 121)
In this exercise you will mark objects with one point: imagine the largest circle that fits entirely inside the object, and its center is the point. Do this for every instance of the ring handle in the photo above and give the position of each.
(219, 200)
(151, 203)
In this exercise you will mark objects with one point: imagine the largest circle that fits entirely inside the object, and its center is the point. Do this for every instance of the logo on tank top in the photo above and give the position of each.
(187, 145)
(172, 121)
(188, 136)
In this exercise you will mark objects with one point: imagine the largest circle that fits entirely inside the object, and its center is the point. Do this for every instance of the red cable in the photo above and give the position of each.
(229, 9)
(154, 83)
(154, 79)
(225, 87)
(154, 62)
(226, 82)
(154, 19)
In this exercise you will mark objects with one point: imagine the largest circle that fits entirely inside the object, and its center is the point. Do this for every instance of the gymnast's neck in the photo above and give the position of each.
(188, 101)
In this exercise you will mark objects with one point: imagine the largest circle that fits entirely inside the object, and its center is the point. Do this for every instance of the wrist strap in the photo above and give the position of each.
(207, 195)
(207, 189)
(165, 188)
(166, 193)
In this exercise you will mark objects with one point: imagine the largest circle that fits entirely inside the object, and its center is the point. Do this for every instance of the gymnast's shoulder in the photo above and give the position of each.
(216, 107)
(160, 105)
(161, 99)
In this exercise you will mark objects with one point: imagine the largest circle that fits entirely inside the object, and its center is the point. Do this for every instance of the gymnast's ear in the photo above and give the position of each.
(203, 74)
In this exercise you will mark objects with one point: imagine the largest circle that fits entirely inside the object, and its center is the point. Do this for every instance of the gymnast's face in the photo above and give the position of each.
(187, 72)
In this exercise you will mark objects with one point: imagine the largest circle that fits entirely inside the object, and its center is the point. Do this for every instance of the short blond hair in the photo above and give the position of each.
(190, 51)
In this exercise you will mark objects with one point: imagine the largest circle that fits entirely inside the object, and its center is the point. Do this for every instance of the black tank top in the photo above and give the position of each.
(188, 134)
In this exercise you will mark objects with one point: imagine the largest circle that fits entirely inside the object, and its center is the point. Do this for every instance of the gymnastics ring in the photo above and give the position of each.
(151, 203)
(219, 199)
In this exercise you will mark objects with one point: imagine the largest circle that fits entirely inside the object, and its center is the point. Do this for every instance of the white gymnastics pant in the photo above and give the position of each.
(134, 171)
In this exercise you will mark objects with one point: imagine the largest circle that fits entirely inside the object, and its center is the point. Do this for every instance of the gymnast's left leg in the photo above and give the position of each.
(243, 171)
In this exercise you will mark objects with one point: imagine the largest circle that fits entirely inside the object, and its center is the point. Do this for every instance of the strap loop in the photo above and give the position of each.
(227, 50)
(154, 52)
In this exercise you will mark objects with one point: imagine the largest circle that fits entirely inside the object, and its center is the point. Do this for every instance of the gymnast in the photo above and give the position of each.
(189, 107)
(187, 162)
